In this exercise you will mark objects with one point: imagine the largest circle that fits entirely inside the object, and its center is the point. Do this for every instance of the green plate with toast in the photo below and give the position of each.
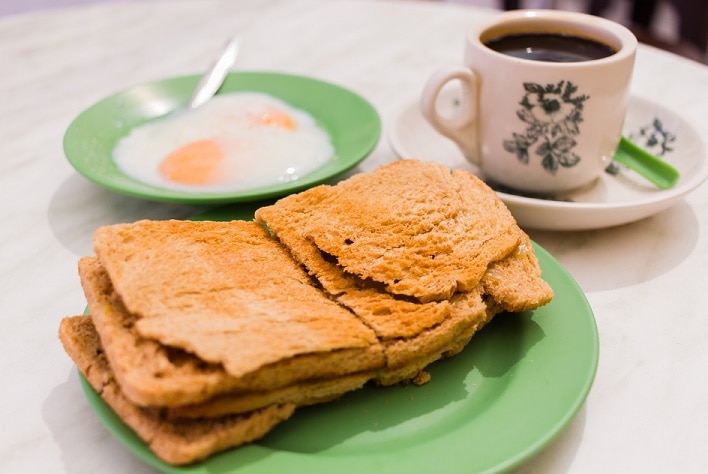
(506, 396)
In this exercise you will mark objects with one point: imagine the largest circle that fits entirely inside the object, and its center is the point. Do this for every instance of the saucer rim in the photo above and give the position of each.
(658, 201)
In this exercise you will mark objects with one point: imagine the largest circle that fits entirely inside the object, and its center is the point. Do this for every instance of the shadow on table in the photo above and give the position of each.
(79, 204)
(624, 256)
(557, 457)
(85, 444)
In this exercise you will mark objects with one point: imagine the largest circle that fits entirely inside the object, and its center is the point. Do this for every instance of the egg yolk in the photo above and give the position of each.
(277, 118)
(194, 163)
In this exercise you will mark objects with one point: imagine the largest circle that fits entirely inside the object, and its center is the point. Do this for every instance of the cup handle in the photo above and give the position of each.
(462, 127)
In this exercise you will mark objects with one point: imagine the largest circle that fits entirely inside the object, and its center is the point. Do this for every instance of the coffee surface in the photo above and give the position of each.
(550, 47)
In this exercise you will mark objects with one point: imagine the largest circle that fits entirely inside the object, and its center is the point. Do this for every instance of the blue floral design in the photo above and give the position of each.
(655, 138)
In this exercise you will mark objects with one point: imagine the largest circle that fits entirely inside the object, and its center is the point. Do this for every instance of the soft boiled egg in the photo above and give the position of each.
(234, 142)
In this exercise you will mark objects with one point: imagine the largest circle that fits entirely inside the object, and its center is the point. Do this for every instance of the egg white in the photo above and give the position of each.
(254, 154)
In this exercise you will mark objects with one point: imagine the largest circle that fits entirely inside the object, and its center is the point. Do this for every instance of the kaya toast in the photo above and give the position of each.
(179, 383)
(442, 328)
(420, 229)
(414, 333)
(175, 442)
(226, 293)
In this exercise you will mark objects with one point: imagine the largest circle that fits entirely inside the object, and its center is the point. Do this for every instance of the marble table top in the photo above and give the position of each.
(647, 410)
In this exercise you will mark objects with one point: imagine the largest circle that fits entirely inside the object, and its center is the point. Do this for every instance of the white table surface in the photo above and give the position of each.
(646, 282)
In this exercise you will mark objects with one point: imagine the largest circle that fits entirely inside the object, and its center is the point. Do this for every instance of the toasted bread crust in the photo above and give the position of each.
(515, 282)
(301, 394)
(411, 330)
(389, 316)
(418, 228)
(152, 374)
(175, 442)
(234, 286)
(205, 335)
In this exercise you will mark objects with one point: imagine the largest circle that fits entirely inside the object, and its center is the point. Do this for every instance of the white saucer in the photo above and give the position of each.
(612, 200)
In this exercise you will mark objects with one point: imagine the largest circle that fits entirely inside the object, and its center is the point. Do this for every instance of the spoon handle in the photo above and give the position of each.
(212, 80)
(645, 164)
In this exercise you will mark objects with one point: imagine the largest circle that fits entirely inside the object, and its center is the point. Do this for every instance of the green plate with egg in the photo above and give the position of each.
(351, 122)
(514, 389)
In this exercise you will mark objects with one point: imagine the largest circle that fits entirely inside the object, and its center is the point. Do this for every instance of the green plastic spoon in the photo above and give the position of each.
(645, 164)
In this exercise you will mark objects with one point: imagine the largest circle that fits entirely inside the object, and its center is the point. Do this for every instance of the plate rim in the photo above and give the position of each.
(134, 188)
(257, 451)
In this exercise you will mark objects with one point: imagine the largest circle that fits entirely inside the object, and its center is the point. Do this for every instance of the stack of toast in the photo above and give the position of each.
(203, 336)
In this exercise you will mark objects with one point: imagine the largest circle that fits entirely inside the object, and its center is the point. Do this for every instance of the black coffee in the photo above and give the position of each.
(555, 48)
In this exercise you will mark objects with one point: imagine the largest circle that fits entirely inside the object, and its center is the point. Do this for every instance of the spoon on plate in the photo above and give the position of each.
(214, 77)
(651, 167)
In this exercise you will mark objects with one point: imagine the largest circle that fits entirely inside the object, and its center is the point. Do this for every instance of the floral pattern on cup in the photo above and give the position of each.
(552, 114)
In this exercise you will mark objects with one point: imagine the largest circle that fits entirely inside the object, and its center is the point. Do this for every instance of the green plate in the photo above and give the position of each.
(505, 397)
(353, 124)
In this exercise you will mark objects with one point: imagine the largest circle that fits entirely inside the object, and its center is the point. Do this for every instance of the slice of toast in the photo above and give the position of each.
(515, 282)
(234, 286)
(175, 442)
(407, 358)
(391, 317)
(223, 327)
(152, 374)
(413, 333)
(418, 228)
(149, 372)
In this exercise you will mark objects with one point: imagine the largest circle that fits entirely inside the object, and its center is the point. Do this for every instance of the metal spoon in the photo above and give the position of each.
(651, 167)
(212, 80)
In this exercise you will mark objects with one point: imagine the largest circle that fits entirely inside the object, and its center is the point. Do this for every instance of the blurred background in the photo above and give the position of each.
(679, 26)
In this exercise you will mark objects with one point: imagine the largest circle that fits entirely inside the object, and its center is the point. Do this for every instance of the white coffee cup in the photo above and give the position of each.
(537, 125)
